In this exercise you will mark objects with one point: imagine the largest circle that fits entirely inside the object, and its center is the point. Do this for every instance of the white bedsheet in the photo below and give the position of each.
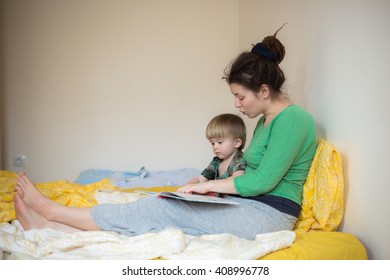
(168, 244)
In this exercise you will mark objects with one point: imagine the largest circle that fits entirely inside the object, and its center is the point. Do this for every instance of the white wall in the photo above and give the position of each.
(1, 82)
(114, 84)
(337, 65)
(121, 84)
(355, 62)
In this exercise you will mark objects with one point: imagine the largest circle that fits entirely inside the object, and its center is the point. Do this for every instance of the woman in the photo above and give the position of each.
(269, 193)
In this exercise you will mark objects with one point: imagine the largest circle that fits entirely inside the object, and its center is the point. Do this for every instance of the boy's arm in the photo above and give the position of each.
(238, 173)
(197, 180)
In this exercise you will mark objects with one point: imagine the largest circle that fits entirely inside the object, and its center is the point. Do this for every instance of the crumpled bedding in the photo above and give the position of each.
(62, 191)
(322, 210)
(167, 244)
(143, 177)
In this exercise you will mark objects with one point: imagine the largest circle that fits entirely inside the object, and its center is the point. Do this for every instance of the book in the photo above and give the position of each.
(191, 197)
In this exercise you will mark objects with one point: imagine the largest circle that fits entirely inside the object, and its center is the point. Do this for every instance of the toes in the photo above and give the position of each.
(22, 180)
(16, 198)
(27, 180)
(18, 202)
(19, 191)
(21, 175)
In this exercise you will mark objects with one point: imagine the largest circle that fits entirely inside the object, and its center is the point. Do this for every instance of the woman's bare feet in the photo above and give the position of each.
(32, 197)
(28, 218)
(33, 205)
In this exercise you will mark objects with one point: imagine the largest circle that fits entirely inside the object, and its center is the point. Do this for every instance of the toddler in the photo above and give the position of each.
(227, 135)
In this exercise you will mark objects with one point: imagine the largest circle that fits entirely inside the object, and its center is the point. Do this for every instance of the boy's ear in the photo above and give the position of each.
(237, 143)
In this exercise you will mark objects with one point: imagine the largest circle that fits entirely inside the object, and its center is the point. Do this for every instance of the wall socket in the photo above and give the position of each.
(20, 161)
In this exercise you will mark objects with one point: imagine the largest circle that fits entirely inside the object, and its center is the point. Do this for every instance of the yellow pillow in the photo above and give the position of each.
(323, 192)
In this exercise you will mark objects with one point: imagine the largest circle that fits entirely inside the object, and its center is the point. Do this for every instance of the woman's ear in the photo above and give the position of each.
(264, 91)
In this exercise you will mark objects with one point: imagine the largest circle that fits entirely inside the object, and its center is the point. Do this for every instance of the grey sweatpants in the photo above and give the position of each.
(152, 214)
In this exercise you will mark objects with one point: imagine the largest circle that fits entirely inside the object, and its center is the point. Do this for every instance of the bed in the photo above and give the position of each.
(315, 236)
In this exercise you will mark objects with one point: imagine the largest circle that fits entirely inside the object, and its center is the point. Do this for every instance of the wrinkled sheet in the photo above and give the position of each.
(143, 177)
(322, 212)
(168, 244)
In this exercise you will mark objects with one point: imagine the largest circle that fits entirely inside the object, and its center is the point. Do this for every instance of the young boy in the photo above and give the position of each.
(227, 136)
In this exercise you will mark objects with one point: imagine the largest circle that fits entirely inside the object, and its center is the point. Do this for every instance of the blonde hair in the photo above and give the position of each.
(227, 126)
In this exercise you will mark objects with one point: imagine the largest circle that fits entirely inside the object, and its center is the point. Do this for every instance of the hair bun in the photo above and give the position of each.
(275, 46)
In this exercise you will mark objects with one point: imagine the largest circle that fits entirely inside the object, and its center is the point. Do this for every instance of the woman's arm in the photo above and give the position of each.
(197, 179)
(289, 135)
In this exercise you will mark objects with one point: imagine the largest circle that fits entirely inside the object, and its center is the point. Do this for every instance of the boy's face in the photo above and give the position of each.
(223, 148)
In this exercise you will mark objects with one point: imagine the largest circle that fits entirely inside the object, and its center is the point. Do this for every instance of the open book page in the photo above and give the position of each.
(191, 197)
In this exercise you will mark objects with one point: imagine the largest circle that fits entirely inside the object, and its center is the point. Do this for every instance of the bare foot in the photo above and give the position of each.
(19, 191)
(28, 218)
(31, 196)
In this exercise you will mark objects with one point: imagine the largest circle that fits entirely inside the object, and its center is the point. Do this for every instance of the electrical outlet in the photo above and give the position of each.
(20, 161)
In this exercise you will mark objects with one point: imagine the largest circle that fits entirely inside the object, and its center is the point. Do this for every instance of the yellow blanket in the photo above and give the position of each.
(322, 204)
(322, 211)
(63, 192)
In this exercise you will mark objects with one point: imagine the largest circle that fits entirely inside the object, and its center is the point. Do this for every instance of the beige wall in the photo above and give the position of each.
(336, 66)
(1, 82)
(122, 84)
(115, 84)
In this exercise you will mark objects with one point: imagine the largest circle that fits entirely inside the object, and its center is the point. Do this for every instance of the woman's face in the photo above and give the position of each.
(248, 102)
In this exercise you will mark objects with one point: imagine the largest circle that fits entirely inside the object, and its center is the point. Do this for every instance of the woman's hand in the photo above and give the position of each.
(201, 188)
(218, 186)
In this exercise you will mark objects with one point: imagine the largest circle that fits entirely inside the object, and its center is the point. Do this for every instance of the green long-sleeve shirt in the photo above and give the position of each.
(279, 156)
